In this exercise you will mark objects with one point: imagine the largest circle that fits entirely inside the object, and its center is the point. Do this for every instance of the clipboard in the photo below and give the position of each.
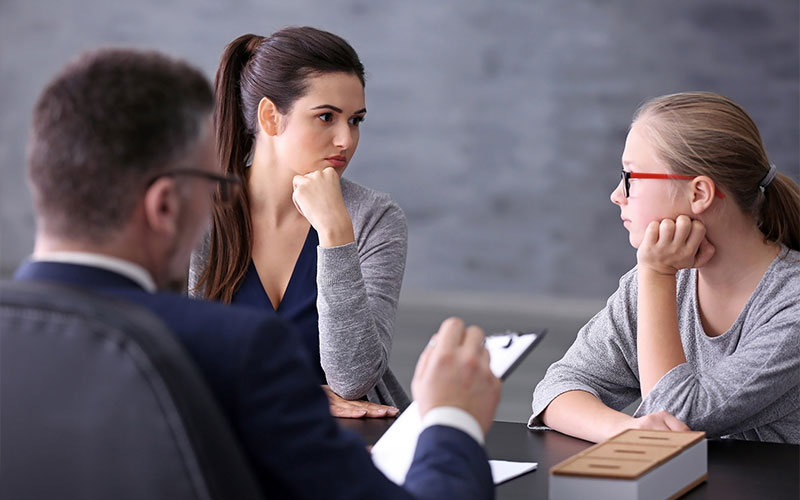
(508, 349)
(394, 451)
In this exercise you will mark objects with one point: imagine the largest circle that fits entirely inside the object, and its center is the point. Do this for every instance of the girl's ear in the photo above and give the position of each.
(702, 194)
(268, 117)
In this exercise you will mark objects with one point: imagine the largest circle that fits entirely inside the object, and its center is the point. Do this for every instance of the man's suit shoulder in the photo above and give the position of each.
(197, 315)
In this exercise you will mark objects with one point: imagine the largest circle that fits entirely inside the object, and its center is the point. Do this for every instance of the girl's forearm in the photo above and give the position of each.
(581, 414)
(658, 343)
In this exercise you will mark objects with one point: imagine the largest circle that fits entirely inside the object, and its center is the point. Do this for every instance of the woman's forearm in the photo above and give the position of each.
(354, 336)
(358, 288)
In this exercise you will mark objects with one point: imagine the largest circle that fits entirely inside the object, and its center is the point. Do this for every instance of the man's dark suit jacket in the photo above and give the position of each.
(265, 385)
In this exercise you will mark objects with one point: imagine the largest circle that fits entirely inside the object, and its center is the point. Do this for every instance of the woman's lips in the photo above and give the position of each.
(337, 161)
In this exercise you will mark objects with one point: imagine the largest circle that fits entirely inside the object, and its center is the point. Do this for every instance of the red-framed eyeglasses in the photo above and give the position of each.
(627, 176)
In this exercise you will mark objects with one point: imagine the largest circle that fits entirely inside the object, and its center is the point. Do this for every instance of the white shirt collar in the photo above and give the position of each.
(126, 268)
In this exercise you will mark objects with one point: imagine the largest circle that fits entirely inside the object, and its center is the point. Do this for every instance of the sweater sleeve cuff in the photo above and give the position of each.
(338, 264)
(668, 391)
(453, 417)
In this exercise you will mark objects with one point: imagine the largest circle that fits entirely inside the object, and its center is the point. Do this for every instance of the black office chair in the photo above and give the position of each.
(99, 401)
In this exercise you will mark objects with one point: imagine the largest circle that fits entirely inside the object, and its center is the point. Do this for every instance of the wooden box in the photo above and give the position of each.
(634, 464)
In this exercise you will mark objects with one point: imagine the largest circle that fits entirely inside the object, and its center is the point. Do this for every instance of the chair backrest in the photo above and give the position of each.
(98, 400)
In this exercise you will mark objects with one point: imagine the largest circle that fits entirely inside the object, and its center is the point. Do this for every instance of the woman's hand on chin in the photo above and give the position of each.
(318, 197)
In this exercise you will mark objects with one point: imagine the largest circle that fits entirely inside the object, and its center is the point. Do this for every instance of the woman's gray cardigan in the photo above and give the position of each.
(358, 287)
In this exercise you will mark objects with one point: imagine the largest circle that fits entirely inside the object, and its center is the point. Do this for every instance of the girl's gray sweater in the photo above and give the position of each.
(743, 384)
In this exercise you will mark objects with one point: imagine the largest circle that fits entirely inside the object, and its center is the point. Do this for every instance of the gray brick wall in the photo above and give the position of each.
(498, 126)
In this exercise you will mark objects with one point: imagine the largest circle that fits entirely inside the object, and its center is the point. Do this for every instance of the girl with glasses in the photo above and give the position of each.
(300, 241)
(706, 328)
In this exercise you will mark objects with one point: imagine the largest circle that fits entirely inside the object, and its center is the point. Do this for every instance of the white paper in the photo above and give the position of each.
(394, 451)
(503, 470)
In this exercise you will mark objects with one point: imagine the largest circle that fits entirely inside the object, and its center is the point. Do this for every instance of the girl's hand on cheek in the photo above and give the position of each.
(674, 244)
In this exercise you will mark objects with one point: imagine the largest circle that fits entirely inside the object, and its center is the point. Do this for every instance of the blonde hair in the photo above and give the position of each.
(703, 133)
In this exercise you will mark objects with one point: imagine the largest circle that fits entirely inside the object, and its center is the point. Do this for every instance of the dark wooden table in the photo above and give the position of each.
(736, 469)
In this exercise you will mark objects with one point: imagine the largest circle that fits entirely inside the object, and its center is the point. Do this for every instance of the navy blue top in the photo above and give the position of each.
(299, 304)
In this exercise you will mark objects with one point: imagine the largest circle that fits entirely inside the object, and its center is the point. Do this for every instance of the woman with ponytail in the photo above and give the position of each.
(706, 328)
(301, 242)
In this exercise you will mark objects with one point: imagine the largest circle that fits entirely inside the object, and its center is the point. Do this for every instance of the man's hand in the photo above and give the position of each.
(454, 371)
(674, 244)
(341, 407)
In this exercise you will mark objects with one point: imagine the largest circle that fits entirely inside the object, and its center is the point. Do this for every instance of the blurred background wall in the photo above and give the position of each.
(497, 126)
